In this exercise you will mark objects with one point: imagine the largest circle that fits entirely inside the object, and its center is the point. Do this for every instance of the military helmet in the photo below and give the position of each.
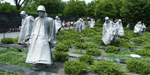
(41, 8)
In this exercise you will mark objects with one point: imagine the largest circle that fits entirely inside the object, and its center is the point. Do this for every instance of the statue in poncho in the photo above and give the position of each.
(120, 31)
(128, 26)
(58, 24)
(109, 31)
(92, 23)
(78, 25)
(143, 27)
(26, 27)
(83, 24)
(42, 39)
(138, 28)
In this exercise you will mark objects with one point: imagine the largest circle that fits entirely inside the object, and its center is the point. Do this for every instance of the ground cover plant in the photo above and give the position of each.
(13, 57)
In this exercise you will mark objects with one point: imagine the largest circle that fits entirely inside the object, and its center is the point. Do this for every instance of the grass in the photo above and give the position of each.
(11, 56)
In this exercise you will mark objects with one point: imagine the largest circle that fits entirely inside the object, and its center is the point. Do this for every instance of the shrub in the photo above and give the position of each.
(111, 49)
(67, 43)
(60, 56)
(16, 40)
(93, 51)
(97, 39)
(61, 47)
(107, 68)
(87, 59)
(81, 40)
(79, 45)
(138, 66)
(143, 52)
(138, 40)
(90, 45)
(7, 40)
(124, 43)
(75, 67)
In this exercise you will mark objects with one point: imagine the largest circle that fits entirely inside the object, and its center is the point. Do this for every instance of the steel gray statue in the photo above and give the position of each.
(109, 31)
(26, 27)
(78, 25)
(120, 31)
(42, 39)
(58, 24)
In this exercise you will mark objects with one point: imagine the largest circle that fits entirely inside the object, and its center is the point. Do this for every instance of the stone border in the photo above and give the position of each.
(23, 71)
(100, 58)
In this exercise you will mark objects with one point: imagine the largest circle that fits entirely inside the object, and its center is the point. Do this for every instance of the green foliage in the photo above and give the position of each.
(87, 32)
(79, 45)
(87, 59)
(138, 40)
(61, 47)
(61, 56)
(54, 5)
(6, 7)
(75, 67)
(15, 40)
(99, 24)
(123, 43)
(107, 68)
(7, 73)
(7, 40)
(78, 52)
(105, 8)
(69, 34)
(93, 51)
(11, 56)
(97, 39)
(111, 49)
(143, 52)
(73, 8)
(91, 9)
(67, 43)
(90, 45)
(132, 10)
(138, 66)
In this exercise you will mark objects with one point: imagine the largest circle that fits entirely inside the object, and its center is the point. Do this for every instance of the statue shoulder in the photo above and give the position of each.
(50, 19)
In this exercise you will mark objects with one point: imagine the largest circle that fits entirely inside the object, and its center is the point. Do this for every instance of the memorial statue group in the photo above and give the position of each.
(40, 34)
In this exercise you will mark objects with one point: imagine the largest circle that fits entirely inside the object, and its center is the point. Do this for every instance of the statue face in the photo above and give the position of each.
(41, 13)
(22, 15)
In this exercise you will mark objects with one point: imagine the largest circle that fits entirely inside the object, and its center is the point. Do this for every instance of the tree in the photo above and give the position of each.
(52, 6)
(6, 7)
(75, 8)
(105, 8)
(135, 10)
(19, 3)
(118, 5)
(91, 9)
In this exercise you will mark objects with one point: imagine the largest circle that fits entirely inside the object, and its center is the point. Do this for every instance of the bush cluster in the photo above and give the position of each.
(7, 40)
(79, 45)
(90, 45)
(93, 51)
(138, 66)
(138, 40)
(107, 68)
(143, 52)
(67, 43)
(61, 47)
(87, 59)
(16, 40)
(75, 67)
(123, 43)
(97, 39)
(111, 49)
(60, 56)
